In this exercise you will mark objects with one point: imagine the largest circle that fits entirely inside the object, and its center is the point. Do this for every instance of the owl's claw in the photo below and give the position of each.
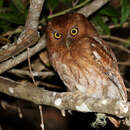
(63, 113)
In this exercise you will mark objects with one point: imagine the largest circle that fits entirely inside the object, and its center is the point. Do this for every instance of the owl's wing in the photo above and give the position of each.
(106, 59)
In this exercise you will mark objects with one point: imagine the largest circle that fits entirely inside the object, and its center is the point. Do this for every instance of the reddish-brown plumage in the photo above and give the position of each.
(82, 59)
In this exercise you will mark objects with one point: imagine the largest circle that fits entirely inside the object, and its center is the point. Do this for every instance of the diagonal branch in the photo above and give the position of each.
(92, 7)
(64, 101)
(4, 66)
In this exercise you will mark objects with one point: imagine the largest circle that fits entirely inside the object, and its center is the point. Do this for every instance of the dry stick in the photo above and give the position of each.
(49, 85)
(74, 3)
(40, 106)
(124, 63)
(35, 73)
(118, 46)
(127, 63)
(125, 25)
(4, 66)
(121, 40)
(41, 115)
(30, 68)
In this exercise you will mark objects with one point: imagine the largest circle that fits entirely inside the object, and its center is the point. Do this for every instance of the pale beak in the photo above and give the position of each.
(68, 42)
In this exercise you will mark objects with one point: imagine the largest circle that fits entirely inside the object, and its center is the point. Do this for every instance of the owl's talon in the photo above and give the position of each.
(70, 112)
(63, 113)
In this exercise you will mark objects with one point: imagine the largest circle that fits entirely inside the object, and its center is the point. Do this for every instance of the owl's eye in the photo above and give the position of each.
(57, 35)
(74, 31)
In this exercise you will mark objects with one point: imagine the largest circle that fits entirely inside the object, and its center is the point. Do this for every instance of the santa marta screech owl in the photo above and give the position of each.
(82, 59)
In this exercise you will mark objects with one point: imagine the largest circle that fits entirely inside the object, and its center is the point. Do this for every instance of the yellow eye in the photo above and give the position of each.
(74, 31)
(57, 35)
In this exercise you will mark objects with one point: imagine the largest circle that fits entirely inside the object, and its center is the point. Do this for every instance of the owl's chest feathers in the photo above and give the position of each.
(74, 68)
(78, 72)
(76, 56)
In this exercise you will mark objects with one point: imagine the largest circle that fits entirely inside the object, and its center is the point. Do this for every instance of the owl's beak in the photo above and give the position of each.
(68, 42)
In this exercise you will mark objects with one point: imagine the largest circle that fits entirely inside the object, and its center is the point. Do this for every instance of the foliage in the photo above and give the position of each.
(13, 13)
(109, 14)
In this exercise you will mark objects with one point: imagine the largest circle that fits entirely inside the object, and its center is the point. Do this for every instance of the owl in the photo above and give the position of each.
(84, 62)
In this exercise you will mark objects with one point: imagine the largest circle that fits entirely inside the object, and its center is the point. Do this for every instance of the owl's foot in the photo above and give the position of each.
(63, 113)
(100, 120)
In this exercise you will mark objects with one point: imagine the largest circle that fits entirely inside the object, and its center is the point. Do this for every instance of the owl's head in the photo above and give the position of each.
(64, 30)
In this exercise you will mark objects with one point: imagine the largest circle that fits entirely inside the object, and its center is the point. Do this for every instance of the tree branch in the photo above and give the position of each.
(34, 14)
(121, 40)
(118, 46)
(92, 7)
(34, 73)
(4, 66)
(67, 10)
(64, 101)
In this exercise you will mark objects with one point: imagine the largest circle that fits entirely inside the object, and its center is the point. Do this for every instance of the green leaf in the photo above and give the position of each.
(52, 4)
(48, 65)
(67, 1)
(1, 3)
(4, 26)
(125, 10)
(13, 17)
(102, 27)
(127, 44)
(19, 5)
(109, 11)
(115, 20)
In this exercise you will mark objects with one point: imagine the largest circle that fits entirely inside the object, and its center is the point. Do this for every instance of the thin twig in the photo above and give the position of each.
(123, 41)
(68, 10)
(30, 68)
(125, 25)
(85, 10)
(10, 33)
(118, 46)
(35, 74)
(124, 63)
(40, 106)
(41, 117)
(5, 105)
(74, 2)
(65, 11)
(49, 85)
